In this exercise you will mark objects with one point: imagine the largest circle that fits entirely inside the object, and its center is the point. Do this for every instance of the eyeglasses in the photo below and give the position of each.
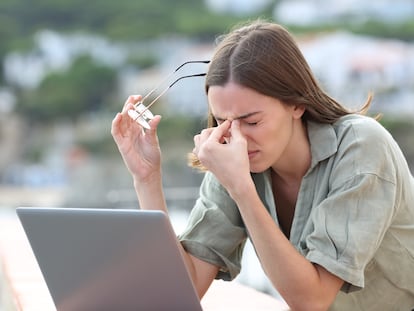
(141, 113)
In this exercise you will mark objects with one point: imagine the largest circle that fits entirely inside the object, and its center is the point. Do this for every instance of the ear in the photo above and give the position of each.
(298, 111)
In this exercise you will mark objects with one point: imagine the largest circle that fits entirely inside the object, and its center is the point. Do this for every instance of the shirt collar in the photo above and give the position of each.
(323, 141)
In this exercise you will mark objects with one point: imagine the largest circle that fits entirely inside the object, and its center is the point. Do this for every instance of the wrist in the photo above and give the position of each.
(241, 189)
(150, 192)
(151, 180)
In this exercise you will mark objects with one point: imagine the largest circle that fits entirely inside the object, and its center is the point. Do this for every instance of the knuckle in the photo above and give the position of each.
(204, 132)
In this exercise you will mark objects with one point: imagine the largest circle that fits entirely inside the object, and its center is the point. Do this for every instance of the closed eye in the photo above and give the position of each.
(244, 117)
(251, 121)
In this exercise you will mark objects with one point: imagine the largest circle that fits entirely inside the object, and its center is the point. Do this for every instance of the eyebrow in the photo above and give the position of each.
(244, 116)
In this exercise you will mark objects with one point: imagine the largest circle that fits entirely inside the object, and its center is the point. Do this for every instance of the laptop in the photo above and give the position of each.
(109, 259)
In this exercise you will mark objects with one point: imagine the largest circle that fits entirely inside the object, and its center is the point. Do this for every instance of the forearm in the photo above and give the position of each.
(298, 280)
(151, 197)
(150, 193)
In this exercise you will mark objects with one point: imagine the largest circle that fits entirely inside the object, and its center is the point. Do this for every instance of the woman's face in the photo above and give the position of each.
(267, 124)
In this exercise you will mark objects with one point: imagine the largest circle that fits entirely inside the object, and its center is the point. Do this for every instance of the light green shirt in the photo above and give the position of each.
(354, 216)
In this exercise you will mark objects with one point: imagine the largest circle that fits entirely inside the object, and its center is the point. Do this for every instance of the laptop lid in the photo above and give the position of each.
(108, 259)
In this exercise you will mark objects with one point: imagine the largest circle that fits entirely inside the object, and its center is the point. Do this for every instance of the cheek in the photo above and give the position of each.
(254, 134)
(270, 137)
(279, 137)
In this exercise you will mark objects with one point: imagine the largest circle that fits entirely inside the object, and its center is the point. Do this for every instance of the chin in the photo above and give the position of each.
(258, 168)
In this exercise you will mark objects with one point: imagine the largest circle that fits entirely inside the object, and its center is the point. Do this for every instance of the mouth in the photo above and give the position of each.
(252, 153)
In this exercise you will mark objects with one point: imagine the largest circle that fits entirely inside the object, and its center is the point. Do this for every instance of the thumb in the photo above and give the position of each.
(153, 123)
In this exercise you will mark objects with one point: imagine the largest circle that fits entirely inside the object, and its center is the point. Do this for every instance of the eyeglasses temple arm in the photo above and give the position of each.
(166, 89)
(192, 62)
(171, 74)
(188, 76)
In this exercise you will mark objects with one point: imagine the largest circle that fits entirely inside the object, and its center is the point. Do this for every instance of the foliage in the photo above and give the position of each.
(174, 128)
(142, 61)
(398, 125)
(403, 30)
(131, 20)
(84, 88)
(401, 128)
(175, 132)
(119, 20)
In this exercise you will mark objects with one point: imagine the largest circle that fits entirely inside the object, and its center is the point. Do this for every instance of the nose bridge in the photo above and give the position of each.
(244, 129)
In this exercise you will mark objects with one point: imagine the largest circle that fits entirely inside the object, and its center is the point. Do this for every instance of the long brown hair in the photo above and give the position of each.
(263, 56)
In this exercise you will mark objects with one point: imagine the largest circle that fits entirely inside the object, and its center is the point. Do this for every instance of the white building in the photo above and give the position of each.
(351, 66)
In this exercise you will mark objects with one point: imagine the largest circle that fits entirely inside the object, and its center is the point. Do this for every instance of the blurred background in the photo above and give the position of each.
(67, 67)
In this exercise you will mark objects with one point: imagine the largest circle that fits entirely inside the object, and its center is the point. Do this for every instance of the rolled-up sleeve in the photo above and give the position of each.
(349, 227)
(215, 232)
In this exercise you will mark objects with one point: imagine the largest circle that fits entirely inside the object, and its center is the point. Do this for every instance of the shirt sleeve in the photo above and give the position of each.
(349, 227)
(215, 232)
(350, 224)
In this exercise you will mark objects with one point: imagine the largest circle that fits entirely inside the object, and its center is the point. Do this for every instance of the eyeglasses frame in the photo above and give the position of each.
(141, 113)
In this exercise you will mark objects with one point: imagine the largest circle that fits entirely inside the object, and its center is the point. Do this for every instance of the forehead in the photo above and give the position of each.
(233, 101)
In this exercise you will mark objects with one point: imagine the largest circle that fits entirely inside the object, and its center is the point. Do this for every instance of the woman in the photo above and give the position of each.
(324, 194)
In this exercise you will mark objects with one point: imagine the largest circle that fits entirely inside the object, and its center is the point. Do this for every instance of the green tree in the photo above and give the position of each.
(85, 87)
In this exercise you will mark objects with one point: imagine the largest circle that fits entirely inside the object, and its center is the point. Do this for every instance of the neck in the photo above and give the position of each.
(295, 161)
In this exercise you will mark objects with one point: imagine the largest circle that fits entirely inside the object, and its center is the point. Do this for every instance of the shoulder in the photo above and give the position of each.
(359, 142)
(364, 134)
(361, 128)
(351, 134)
(365, 146)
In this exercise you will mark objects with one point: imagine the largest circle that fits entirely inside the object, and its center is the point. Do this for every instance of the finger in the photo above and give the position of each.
(220, 131)
(152, 132)
(131, 117)
(123, 126)
(205, 134)
(130, 102)
(199, 139)
(196, 140)
(153, 123)
(115, 128)
(235, 129)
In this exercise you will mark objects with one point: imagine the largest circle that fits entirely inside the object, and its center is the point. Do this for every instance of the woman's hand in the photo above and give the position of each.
(223, 151)
(139, 148)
